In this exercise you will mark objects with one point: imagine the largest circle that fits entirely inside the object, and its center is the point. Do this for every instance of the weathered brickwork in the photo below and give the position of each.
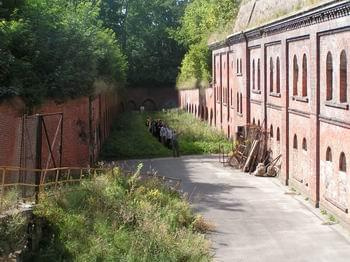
(150, 98)
(86, 125)
(291, 77)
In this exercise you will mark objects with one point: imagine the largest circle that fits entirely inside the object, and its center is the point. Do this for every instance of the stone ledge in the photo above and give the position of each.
(275, 94)
(303, 99)
(344, 106)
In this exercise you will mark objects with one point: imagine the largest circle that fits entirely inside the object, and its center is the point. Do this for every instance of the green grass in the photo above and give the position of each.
(121, 218)
(196, 137)
(131, 139)
(13, 234)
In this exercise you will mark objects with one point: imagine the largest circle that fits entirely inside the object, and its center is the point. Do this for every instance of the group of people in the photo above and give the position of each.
(165, 135)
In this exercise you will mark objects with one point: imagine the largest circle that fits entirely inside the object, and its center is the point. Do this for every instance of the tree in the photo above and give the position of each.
(57, 49)
(143, 28)
(202, 19)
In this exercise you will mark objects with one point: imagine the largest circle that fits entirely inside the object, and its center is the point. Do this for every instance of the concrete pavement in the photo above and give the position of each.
(254, 217)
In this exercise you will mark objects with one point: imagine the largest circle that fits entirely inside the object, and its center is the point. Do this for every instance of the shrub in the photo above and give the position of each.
(57, 49)
(13, 231)
(195, 136)
(122, 218)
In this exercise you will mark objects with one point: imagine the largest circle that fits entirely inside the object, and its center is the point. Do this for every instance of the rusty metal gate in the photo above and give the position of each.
(41, 146)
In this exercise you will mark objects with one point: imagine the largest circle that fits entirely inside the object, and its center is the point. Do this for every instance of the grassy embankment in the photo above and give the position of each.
(121, 218)
(131, 139)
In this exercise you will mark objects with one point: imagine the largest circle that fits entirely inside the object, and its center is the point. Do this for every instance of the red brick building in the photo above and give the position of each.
(289, 76)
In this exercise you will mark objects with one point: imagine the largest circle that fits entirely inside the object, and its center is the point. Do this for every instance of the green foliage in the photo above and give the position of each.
(195, 70)
(9, 200)
(143, 27)
(202, 19)
(13, 232)
(195, 136)
(130, 139)
(121, 218)
(57, 49)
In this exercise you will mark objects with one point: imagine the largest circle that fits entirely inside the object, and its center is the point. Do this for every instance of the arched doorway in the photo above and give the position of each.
(149, 105)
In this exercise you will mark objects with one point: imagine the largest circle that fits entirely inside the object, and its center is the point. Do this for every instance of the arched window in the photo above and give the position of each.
(343, 77)
(237, 102)
(304, 144)
(278, 76)
(329, 154)
(271, 131)
(237, 69)
(278, 134)
(329, 77)
(253, 74)
(295, 142)
(240, 65)
(295, 75)
(342, 162)
(258, 74)
(271, 75)
(258, 123)
(304, 83)
(231, 101)
(254, 121)
(241, 104)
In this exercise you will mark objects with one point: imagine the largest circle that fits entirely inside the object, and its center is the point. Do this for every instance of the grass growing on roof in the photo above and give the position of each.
(121, 218)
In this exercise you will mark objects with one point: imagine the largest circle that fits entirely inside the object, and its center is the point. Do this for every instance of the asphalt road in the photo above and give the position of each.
(254, 217)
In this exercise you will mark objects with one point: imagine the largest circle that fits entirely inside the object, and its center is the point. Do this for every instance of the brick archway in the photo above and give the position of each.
(149, 105)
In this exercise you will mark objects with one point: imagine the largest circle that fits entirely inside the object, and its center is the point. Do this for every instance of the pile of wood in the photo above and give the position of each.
(251, 149)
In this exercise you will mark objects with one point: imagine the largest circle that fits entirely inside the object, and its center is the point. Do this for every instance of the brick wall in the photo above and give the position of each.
(290, 94)
(86, 125)
(151, 98)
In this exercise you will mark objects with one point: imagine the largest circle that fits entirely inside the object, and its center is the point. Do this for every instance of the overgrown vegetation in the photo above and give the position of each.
(13, 232)
(8, 200)
(194, 136)
(202, 20)
(130, 137)
(60, 48)
(121, 218)
(56, 49)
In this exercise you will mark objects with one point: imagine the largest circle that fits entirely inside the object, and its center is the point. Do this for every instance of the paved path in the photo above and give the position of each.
(255, 219)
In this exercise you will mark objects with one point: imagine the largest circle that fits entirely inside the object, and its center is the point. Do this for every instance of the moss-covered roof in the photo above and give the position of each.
(255, 13)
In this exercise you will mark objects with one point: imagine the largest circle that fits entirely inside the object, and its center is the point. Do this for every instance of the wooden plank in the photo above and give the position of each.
(251, 154)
